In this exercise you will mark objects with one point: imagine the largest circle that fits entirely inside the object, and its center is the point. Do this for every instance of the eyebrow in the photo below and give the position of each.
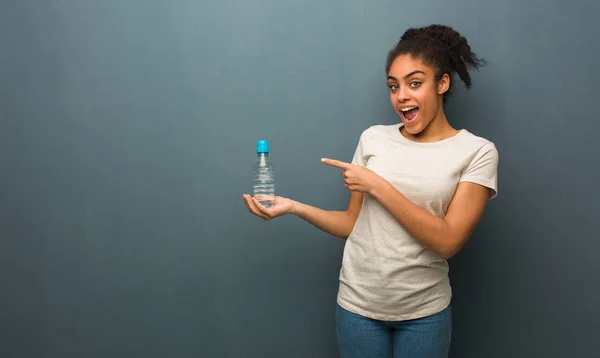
(410, 74)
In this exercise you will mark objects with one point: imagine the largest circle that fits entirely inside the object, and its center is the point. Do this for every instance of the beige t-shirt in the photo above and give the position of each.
(387, 274)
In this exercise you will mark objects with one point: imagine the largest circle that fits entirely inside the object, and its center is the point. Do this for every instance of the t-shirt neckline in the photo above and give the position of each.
(403, 139)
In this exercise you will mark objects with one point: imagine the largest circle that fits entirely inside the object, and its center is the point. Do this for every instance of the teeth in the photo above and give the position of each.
(407, 109)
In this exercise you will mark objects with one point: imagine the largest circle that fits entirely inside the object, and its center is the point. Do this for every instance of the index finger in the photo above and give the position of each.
(336, 163)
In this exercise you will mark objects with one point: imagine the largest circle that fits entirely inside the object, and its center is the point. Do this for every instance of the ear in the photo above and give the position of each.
(444, 84)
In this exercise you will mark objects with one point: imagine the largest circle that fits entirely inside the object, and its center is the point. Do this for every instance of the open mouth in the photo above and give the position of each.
(409, 113)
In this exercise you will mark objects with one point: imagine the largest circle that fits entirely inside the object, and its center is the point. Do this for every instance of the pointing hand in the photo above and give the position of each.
(356, 178)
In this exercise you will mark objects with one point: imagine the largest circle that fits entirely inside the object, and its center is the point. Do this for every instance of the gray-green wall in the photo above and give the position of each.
(127, 134)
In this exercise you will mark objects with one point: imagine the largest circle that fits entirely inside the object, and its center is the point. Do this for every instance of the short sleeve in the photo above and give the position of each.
(483, 169)
(358, 158)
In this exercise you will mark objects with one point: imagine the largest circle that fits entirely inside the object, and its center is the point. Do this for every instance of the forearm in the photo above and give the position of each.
(430, 230)
(336, 223)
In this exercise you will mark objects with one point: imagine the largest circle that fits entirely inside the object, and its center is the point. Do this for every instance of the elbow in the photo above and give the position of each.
(449, 249)
(449, 242)
(447, 254)
(345, 234)
(348, 225)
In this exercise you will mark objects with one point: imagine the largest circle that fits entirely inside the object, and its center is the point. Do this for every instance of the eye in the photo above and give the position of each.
(415, 84)
(393, 87)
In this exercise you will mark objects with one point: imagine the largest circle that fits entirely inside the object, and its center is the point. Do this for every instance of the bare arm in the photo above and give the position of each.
(336, 223)
(444, 236)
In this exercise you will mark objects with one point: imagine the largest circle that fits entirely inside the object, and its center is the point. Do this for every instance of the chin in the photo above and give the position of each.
(412, 127)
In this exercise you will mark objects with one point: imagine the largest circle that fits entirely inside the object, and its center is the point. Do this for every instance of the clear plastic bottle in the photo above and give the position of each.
(264, 184)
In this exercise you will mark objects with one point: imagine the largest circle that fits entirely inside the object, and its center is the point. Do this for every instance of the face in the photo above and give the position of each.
(415, 94)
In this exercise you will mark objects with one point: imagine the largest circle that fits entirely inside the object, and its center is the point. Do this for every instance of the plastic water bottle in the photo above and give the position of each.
(264, 184)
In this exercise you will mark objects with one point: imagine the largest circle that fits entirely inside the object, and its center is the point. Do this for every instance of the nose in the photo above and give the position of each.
(402, 95)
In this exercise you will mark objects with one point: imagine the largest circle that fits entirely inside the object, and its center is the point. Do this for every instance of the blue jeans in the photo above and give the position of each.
(361, 337)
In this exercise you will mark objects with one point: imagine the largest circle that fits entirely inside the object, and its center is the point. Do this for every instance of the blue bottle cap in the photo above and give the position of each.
(262, 146)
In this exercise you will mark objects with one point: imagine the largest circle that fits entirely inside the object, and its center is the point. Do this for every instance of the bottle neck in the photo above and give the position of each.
(262, 158)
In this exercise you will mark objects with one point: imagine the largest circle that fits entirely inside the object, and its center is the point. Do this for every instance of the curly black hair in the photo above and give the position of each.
(441, 47)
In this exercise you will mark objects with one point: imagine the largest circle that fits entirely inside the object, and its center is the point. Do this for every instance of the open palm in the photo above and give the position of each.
(281, 207)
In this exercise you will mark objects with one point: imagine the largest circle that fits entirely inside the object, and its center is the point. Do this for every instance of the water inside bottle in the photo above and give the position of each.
(264, 187)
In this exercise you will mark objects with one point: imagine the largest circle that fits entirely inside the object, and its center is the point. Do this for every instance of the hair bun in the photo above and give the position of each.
(446, 36)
